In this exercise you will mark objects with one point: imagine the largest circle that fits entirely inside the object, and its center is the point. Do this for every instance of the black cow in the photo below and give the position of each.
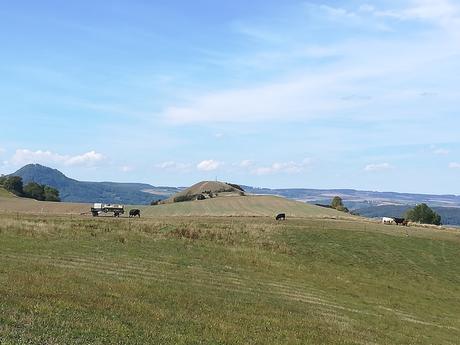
(281, 216)
(135, 212)
(400, 221)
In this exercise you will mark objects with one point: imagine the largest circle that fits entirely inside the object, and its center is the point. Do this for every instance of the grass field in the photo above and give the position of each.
(5, 194)
(223, 206)
(241, 206)
(227, 280)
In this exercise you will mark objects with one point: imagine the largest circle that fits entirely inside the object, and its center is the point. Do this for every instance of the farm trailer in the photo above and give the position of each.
(98, 209)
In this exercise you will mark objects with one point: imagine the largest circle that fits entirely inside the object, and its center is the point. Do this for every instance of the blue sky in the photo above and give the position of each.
(316, 94)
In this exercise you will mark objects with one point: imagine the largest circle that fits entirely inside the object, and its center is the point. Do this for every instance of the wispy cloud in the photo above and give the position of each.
(441, 152)
(454, 165)
(246, 163)
(209, 165)
(26, 156)
(290, 167)
(377, 167)
(173, 165)
(375, 71)
(126, 168)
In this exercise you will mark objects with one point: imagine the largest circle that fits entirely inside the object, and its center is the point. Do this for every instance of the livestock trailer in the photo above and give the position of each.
(99, 208)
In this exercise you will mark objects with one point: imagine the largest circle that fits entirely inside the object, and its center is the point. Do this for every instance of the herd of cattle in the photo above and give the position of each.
(395, 221)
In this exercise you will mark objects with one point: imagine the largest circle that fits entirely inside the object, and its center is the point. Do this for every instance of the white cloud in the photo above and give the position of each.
(454, 165)
(87, 158)
(2, 150)
(245, 163)
(126, 168)
(443, 13)
(282, 167)
(208, 165)
(25, 156)
(377, 167)
(441, 152)
(382, 72)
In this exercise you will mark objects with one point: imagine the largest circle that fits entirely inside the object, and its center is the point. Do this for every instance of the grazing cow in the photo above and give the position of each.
(281, 216)
(387, 220)
(135, 212)
(400, 221)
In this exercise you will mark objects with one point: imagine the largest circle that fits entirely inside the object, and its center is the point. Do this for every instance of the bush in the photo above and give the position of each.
(182, 198)
(51, 194)
(337, 203)
(34, 191)
(423, 214)
(14, 185)
(41, 192)
(236, 186)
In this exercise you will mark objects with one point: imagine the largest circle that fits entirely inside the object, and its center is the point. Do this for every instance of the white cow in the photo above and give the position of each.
(387, 220)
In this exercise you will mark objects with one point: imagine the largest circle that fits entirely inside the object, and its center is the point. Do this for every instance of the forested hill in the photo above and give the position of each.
(80, 191)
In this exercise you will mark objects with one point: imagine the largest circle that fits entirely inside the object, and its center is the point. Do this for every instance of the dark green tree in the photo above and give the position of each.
(337, 203)
(35, 191)
(423, 214)
(14, 185)
(51, 194)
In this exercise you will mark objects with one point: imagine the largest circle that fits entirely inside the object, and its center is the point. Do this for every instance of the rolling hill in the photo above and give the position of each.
(80, 191)
(5, 194)
(206, 189)
(251, 205)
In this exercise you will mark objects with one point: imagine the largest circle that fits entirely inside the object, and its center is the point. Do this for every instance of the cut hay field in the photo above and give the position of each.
(227, 280)
(253, 205)
(13, 204)
(223, 206)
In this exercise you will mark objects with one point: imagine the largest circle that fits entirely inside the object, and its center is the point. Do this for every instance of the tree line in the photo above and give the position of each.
(32, 190)
(421, 213)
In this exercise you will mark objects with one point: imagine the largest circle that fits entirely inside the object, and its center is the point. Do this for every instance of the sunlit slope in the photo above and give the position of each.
(241, 206)
(5, 194)
(11, 203)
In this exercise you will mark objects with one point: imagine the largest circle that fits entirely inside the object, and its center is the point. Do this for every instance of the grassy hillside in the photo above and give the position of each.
(222, 206)
(10, 203)
(241, 206)
(225, 281)
(5, 194)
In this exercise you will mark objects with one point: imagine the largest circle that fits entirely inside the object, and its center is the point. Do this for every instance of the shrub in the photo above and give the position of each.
(51, 194)
(14, 185)
(34, 191)
(182, 198)
(423, 214)
(236, 186)
(337, 203)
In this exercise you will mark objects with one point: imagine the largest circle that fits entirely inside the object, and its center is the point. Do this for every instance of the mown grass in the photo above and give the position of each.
(183, 280)
(250, 205)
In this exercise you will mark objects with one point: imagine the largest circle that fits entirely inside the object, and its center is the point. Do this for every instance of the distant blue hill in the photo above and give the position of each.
(107, 192)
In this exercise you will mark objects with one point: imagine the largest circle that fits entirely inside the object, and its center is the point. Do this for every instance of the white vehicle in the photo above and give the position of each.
(99, 208)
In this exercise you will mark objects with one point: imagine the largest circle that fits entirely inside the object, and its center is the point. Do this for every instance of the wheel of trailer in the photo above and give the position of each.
(95, 213)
